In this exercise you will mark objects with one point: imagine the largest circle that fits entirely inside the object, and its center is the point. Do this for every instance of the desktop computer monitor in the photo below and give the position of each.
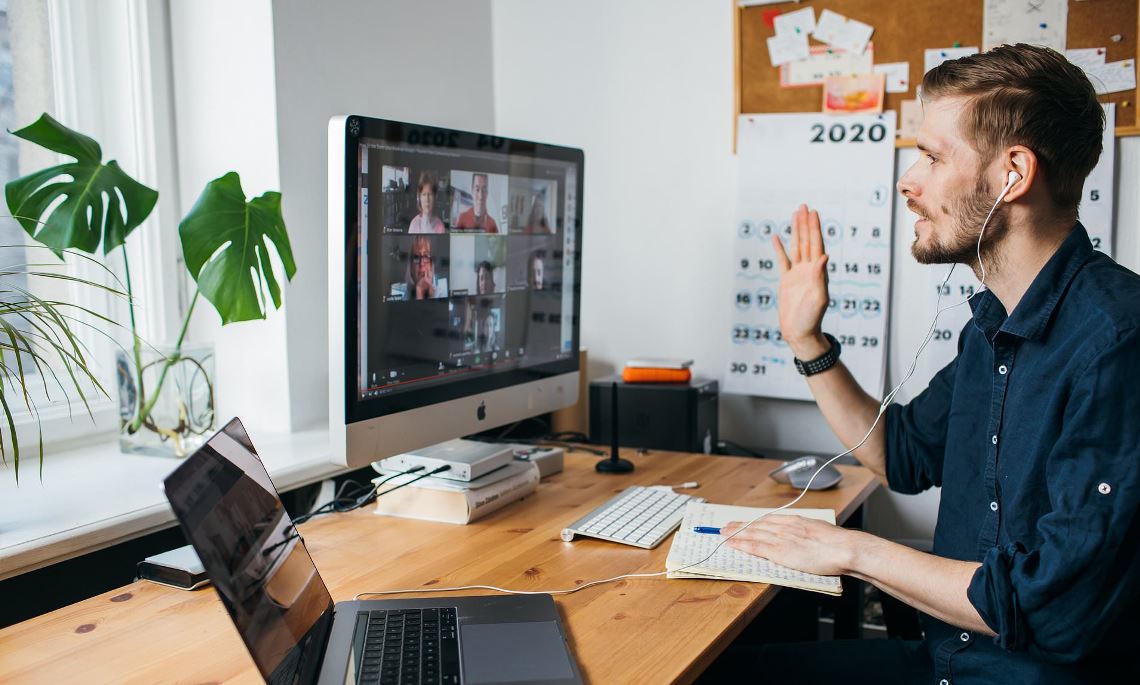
(454, 270)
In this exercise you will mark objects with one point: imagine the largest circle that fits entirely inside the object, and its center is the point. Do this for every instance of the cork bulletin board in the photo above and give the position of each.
(903, 31)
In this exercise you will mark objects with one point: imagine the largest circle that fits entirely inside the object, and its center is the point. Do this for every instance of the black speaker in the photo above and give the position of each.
(678, 417)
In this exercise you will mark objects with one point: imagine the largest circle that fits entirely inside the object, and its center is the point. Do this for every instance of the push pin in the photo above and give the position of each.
(1116, 38)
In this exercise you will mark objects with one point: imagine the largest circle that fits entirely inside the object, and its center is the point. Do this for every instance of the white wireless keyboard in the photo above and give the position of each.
(638, 516)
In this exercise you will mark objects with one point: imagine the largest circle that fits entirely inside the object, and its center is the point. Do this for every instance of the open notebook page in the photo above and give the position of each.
(731, 564)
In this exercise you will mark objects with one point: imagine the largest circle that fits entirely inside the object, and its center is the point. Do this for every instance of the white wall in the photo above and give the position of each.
(254, 86)
(651, 104)
(222, 72)
(425, 62)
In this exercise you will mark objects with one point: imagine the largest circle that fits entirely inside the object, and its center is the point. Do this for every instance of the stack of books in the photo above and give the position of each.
(657, 370)
(453, 501)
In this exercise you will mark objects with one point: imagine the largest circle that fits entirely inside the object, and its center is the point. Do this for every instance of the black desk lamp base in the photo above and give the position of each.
(614, 465)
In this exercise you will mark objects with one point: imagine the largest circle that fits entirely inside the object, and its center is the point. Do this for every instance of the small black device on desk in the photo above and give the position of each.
(680, 417)
(180, 568)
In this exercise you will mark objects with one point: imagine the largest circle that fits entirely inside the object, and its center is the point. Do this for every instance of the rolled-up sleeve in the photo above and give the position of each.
(1056, 598)
(916, 435)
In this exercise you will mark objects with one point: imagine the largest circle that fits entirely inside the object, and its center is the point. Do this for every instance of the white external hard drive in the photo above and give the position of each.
(468, 459)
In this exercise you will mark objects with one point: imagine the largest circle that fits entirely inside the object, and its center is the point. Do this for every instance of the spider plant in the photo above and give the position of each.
(38, 340)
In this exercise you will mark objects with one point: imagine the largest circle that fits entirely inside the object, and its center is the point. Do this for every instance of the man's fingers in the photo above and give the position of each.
(815, 236)
(781, 255)
(797, 220)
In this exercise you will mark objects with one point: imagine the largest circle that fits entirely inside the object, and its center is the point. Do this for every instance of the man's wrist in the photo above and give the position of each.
(811, 347)
(860, 550)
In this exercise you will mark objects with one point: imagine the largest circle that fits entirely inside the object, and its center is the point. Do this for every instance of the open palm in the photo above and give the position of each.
(803, 280)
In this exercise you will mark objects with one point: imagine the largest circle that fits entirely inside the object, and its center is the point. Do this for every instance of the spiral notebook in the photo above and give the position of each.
(727, 563)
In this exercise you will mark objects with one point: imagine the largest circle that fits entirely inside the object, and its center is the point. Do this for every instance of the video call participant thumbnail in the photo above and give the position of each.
(427, 221)
(532, 205)
(478, 264)
(423, 262)
(489, 319)
(477, 216)
(533, 263)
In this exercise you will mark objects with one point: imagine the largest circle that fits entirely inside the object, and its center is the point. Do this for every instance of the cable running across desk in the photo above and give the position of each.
(887, 400)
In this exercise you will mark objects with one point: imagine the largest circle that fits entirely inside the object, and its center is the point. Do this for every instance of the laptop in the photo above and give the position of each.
(233, 516)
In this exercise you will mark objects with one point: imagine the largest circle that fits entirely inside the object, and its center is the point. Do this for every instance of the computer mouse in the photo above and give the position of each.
(798, 472)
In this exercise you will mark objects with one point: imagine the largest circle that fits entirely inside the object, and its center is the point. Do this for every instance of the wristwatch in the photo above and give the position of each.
(820, 364)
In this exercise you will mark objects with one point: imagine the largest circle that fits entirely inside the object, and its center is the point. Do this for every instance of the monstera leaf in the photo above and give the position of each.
(100, 202)
(225, 241)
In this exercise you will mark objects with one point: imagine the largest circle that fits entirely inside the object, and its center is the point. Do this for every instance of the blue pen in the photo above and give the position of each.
(706, 529)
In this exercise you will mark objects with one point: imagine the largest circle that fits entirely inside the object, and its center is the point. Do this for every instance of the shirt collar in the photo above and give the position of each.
(1032, 313)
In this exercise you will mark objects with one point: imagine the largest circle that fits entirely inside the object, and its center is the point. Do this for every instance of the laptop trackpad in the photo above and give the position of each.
(513, 652)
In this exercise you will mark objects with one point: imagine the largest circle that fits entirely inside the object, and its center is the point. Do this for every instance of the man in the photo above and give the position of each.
(476, 218)
(535, 269)
(1031, 431)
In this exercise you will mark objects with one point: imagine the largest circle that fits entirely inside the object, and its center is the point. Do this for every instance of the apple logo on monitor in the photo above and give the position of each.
(481, 412)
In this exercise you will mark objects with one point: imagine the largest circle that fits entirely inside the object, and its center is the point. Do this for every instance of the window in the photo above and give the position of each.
(89, 66)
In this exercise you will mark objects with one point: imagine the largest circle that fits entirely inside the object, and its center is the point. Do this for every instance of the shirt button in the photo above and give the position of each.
(993, 507)
(1002, 369)
(965, 637)
(943, 682)
(994, 439)
(1104, 488)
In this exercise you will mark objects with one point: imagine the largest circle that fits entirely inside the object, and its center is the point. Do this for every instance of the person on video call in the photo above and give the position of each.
(535, 270)
(536, 219)
(484, 278)
(422, 283)
(426, 221)
(488, 334)
(476, 218)
(1030, 431)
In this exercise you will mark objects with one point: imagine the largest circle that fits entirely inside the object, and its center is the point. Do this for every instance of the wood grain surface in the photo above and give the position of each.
(645, 630)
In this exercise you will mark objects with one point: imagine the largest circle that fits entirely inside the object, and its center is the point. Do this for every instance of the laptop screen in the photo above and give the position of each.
(232, 515)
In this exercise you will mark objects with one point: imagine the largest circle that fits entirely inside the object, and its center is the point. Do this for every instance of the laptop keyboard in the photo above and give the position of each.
(414, 646)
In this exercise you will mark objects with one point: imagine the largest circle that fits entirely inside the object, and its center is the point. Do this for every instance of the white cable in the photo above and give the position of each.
(887, 400)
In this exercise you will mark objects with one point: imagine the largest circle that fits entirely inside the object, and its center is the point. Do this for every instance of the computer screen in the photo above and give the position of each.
(461, 264)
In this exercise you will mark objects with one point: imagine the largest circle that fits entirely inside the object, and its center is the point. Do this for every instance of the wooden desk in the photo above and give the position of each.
(645, 630)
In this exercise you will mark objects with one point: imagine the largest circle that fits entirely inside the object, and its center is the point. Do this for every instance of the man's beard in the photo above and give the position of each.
(967, 212)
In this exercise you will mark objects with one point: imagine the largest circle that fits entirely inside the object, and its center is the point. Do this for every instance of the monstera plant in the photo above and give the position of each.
(88, 204)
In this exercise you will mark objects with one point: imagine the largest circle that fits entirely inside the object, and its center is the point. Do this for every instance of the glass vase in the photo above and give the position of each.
(182, 417)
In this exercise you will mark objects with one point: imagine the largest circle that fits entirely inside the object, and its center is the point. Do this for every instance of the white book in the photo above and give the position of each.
(456, 505)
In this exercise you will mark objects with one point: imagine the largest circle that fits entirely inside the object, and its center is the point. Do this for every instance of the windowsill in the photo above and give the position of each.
(94, 496)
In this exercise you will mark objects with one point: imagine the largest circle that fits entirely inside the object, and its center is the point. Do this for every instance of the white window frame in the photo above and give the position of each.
(111, 80)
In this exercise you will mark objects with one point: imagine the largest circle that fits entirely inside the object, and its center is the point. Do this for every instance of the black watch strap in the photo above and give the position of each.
(820, 364)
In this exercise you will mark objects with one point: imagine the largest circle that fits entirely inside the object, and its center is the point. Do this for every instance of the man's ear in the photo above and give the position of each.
(1024, 161)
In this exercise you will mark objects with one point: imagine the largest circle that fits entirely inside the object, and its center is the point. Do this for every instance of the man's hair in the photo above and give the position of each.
(485, 264)
(476, 175)
(1032, 96)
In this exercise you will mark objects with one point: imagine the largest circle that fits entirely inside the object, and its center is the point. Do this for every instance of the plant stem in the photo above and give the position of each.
(144, 412)
(136, 343)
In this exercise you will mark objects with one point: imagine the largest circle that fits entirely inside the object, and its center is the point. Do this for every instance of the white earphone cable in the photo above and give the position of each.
(883, 405)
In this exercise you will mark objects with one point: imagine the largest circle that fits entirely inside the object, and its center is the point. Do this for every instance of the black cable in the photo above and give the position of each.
(441, 469)
(725, 444)
(343, 501)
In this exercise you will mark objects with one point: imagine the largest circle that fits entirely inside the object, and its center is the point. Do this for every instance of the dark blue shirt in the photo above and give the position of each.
(1033, 433)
